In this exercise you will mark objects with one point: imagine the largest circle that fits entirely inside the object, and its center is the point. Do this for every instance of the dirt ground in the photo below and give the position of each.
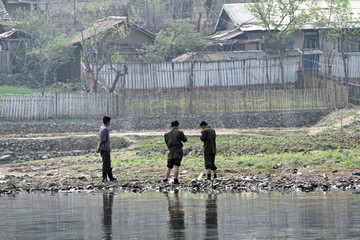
(57, 170)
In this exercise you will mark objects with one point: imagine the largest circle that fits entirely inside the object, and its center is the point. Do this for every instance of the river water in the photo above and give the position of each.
(184, 215)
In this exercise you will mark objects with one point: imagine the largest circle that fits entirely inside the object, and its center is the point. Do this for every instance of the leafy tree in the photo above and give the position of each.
(46, 51)
(335, 23)
(280, 18)
(98, 51)
(179, 38)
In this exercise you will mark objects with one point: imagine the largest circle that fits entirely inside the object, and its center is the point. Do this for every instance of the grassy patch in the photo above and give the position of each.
(328, 122)
(11, 90)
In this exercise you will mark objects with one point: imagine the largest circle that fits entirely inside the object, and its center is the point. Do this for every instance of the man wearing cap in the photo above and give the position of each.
(208, 136)
(173, 140)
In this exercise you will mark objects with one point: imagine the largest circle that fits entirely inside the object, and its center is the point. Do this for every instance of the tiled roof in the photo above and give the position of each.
(105, 25)
(101, 26)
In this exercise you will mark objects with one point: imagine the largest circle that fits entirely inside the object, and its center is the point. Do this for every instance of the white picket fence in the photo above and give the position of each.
(205, 74)
(57, 105)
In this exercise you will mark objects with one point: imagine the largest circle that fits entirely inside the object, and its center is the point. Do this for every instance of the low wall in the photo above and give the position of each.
(226, 120)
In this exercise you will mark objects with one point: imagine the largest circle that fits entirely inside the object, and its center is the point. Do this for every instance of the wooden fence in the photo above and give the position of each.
(57, 105)
(337, 67)
(203, 74)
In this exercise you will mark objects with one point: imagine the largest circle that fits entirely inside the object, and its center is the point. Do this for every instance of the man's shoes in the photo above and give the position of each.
(110, 174)
(104, 177)
(176, 181)
(165, 180)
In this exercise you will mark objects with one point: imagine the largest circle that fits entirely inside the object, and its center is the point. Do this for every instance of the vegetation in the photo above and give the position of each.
(280, 19)
(47, 49)
(11, 90)
(180, 37)
(338, 28)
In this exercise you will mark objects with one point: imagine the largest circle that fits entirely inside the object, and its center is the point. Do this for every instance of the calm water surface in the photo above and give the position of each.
(180, 216)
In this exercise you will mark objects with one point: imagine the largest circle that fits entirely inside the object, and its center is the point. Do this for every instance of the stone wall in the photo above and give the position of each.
(225, 120)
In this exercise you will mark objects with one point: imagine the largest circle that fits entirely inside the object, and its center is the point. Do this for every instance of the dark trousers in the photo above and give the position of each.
(105, 155)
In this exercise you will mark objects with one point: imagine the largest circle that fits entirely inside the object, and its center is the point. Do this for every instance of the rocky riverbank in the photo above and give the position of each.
(287, 181)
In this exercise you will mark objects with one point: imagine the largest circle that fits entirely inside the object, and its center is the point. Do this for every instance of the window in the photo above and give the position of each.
(351, 44)
(311, 40)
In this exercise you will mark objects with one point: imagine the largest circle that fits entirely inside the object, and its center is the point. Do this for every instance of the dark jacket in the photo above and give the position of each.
(208, 136)
(173, 140)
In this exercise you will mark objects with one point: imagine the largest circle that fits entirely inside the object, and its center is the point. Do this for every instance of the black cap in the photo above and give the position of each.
(175, 123)
(203, 123)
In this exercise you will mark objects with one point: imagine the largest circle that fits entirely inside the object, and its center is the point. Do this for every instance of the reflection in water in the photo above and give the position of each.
(189, 216)
(176, 214)
(108, 199)
(211, 218)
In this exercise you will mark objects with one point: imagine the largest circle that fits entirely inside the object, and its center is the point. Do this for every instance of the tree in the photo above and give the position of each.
(98, 51)
(179, 38)
(46, 51)
(337, 24)
(280, 18)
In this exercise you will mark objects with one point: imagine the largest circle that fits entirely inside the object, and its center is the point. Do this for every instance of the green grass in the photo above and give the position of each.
(11, 90)
(349, 114)
(328, 122)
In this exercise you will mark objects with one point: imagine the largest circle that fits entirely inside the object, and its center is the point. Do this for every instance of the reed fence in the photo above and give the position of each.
(202, 100)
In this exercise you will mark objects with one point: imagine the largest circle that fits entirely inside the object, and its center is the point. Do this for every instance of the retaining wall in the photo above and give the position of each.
(162, 123)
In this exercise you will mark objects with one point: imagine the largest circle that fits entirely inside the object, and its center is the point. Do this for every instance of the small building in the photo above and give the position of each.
(11, 43)
(131, 44)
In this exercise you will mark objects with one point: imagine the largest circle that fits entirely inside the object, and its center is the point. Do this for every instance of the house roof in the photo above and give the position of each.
(218, 56)
(14, 34)
(22, 1)
(105, 25)
(225, 35)
(243, 20)
(4, 15)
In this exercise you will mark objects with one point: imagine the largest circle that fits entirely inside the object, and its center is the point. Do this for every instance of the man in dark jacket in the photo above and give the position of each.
(208, 136)
(104, 149)
(173, 140)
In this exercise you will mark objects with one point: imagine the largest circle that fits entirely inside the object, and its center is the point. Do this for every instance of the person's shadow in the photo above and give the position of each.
(108, 199)
(176, 214)
(211, 218)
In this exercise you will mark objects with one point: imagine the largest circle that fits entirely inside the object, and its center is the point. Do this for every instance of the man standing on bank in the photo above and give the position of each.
(173, 140)
(104, 149)
(208, 136)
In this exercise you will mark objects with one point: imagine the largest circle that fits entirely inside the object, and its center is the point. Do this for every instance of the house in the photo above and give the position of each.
(11, 42)
(131, 44)
(236, 25)
(218, 56)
